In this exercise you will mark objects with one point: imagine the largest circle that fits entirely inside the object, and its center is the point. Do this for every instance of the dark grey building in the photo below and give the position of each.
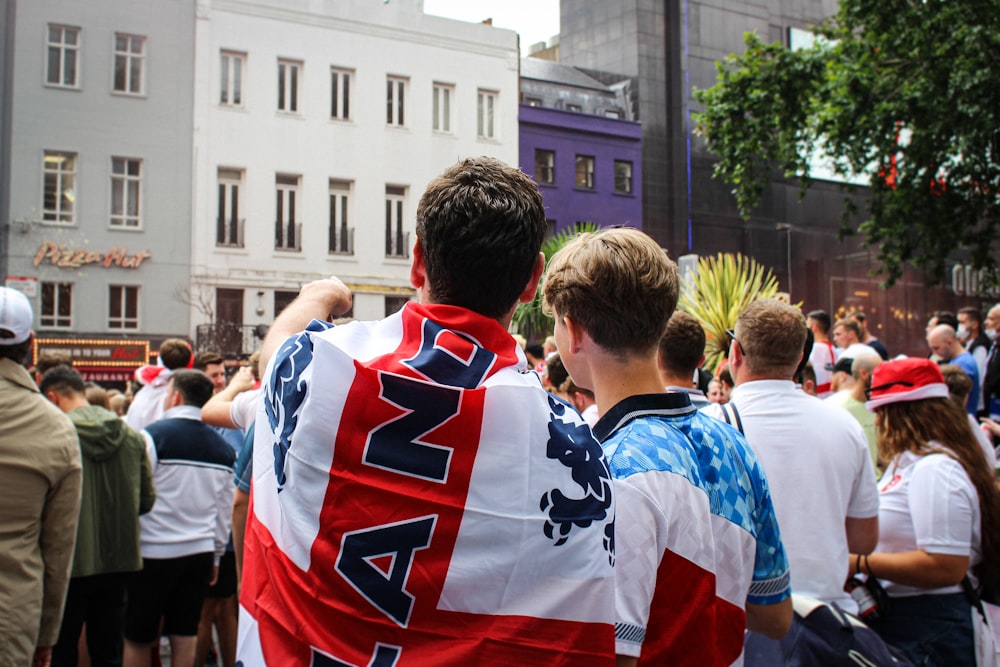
(670, 47)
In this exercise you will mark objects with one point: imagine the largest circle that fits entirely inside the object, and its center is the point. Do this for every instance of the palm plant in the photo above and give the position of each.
(530, 320)
(722, 287)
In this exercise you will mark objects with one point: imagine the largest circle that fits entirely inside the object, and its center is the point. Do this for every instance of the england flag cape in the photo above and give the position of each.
(418, 499)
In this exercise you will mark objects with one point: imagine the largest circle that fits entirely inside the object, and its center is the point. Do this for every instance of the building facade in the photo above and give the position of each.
(578, 141)
(96, 168)
(317, 128)
(672, 47)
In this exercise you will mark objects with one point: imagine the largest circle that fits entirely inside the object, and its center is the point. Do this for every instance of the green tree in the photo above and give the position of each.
(904, 92)
(721, 289)
(529, 318)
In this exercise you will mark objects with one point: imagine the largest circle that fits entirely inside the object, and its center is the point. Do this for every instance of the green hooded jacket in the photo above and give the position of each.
(117, 488)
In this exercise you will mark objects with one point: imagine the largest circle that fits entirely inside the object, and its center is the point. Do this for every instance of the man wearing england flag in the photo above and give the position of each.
(417, 497)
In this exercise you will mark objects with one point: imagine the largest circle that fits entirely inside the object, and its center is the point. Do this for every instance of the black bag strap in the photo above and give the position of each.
(734, 418)
(973, 597)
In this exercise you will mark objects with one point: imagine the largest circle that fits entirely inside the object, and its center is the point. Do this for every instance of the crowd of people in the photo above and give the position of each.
(429, 490)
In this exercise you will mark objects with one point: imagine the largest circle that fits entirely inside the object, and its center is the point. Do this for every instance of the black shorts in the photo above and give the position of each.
(172, 589)
(225, 586)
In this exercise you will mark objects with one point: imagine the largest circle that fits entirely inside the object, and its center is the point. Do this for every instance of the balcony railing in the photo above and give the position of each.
(341, 241)
(229, 233)
(397, 245)
(228, 339)
(288, 236)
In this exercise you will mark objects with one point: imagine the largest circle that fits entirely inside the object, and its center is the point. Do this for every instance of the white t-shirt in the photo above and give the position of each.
(243, 410)
(817, 464)
(823, 353)
(928, 503)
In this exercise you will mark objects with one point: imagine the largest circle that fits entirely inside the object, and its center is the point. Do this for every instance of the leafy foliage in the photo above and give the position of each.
(906, 93)
(528, 317)
(722, 288)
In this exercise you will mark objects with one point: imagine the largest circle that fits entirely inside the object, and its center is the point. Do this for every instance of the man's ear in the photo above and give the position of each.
(536, 276)
(418, 272)
(575, 334)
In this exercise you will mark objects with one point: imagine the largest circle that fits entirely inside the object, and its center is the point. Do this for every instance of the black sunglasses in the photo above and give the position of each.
(900, 383)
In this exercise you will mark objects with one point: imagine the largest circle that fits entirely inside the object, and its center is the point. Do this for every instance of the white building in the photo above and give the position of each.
(317, 126)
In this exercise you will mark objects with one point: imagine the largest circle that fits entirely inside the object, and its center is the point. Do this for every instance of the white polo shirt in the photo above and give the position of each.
(817, 464)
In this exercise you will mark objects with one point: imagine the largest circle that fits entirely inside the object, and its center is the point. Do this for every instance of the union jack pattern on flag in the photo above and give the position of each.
(419, 499)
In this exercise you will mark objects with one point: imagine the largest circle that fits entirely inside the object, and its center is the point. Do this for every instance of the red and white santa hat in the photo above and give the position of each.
(908, 379)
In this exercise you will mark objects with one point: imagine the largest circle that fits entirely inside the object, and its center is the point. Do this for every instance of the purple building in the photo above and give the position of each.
(576, 141)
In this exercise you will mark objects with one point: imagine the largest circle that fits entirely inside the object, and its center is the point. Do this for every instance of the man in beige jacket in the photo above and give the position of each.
(41, 476)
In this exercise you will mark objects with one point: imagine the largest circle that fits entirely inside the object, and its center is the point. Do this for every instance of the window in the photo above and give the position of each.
(288, 85)
(341, 236)
(287, 232)
(231, 84)
(485, 128)
(59, 188)
(396, 242)
(394, 304)
(63, 54)
(126, 182)
(533, 101)
(585, 171)
(340, 94)
(442, 96)
(130, 52)
(574, 107)
(57, 305)
(395, 104)
(623, 177)
(123, 307)
(228, 224)
(613, 113)
(545, 166)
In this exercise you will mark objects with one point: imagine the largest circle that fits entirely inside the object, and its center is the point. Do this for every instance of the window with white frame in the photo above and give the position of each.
(545, 166)
(123, 307)
(59, 187)
(585, 171)
(442, 96)
(340, 93)
(287, 229)
(62, 56)
(57, 305)
(623, 177)
(289, 79)
(126, 192)
(396, 240)
(130, 55)
(341, 236)
(395, 104)
(231, 81)
(228, 223)
(486, 115)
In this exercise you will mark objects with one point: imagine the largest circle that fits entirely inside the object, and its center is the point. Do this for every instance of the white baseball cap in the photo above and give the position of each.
(15, 317)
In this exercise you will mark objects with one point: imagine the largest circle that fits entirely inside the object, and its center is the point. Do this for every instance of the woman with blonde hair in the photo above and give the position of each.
(939, 515)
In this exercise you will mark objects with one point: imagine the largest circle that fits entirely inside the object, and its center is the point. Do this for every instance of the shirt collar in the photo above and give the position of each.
(671, 404)
(183, 412)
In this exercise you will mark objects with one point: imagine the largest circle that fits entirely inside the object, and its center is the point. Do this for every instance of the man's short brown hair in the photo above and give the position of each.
(194, 387)
(682, 346)
(617, 284)
(203, 360)
(772, 335)
(851, 324)
(175, 353)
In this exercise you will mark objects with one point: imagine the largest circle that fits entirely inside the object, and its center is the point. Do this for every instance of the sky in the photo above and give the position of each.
(534, 20)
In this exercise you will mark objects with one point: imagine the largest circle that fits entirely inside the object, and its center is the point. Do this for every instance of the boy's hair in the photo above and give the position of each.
(48, 360)
(63, 380)
(617, 284)
(175, 353)
(851, 324)
(959, 383)
(555, 370)
(822, 318)
(203, 359)
(772, 335)
(682, 345)
(480, 226)
(194, 386)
